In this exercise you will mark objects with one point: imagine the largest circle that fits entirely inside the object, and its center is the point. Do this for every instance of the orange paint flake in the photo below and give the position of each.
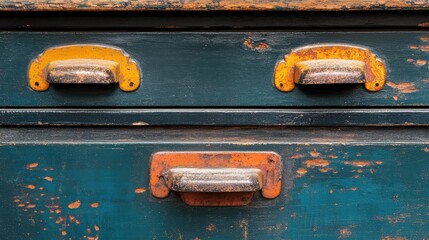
(74, 205)
(31, 206)
(317, 163)
(395, 98)
(424, 48)
(57, 211)
(95, 205)
(262, 47)
(345, 233)
(32, 165)
(248, 43)
(17, 200)
(59, 220)
(420, 62)
(331, 191)
(301, 171)
(379, 162)
(211, 227)
(297, 156)
(140, 190)
(426, 149)
(353, 188)
(96, 228)
(333, 156)
(21, 205)
(414, 47)
(63, 233)
(425, 39)
(403, 87)
(30, 186)
(49, 179)
(314, 153)
(359, 163)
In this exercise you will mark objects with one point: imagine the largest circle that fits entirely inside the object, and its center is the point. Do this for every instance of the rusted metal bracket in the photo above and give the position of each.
(84, 64)
(216, 178)
(330, 64)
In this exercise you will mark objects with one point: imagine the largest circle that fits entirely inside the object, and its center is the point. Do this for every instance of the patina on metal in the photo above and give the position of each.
(216, 178)
(83, 71)
(330, 64)
(84, 64)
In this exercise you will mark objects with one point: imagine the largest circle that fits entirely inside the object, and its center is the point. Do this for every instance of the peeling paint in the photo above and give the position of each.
(317, 163)
(359, 163)
(403, 87)
(345, 233)
(74, 205)
(301, 172)
(140, 190)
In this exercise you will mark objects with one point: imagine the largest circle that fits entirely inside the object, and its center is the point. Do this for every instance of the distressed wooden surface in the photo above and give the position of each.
(226, 69)
(215, 117)
(208, 5)
(337, 183)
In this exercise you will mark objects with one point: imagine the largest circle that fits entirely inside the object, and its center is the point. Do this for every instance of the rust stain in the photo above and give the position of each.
(248, 43)
(30, 186)
(74, 205)
(140, 190)
(301, 172)
(317, 163)
(49, 179)
(269, 163)
(211, 227)
(314, 153)
(403, 87)
(287, 75)
(345, 233)
(95, 205)
(32, 165)
(296, 156)
(359, 163)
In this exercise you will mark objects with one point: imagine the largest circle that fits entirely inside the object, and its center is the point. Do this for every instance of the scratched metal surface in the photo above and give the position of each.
(216, 69)
(337, 183)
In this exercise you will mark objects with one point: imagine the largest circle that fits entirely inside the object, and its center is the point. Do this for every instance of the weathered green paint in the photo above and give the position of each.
(387, 199)
(183, 69)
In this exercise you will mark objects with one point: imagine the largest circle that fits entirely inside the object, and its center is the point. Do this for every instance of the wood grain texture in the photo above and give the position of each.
(214, 117)
(61, 183)
(208, 5)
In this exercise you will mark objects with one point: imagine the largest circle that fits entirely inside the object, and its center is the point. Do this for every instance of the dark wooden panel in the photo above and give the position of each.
(368, 182)
(216, 117)
(207, 5)
(174, 20)
(216, 69)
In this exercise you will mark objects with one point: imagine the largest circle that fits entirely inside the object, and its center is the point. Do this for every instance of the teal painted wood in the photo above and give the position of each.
(385, 196)
(184, 69)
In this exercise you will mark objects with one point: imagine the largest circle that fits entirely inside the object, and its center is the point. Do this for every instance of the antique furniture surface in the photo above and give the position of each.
(248, 119)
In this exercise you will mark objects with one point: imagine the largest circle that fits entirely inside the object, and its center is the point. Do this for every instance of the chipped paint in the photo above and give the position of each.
(317, 163)
(359, 163)
(95, 205)
(49, 179)
(296, 156)
(345, 233)
(301, 172)
(314, 153)
(32, 165)
(30, 186)
(208, 5)
(403, 87)
(211, 227)
(420, 62)
(140, 190)
(74, 205)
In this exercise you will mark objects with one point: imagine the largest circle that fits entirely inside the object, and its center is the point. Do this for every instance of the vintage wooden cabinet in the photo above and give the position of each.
(214, 119)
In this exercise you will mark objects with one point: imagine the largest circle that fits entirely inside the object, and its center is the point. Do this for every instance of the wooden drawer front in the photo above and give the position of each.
(217, 69)
(343, 183)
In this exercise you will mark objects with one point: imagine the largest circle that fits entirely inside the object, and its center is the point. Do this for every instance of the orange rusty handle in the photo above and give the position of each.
(330, 64)
(84, 64)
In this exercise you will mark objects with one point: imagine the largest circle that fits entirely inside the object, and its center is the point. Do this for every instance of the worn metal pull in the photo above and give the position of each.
(216, 178)
(84, 64)
(330, 64)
